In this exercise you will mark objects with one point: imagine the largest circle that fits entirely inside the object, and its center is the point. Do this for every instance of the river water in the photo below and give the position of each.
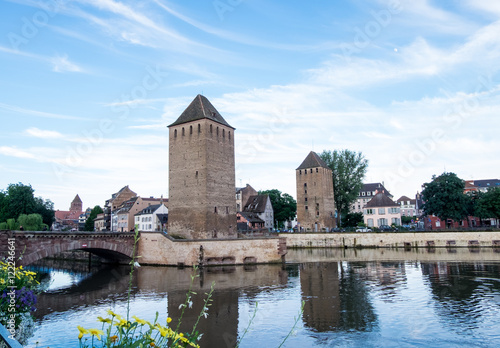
(352, 298)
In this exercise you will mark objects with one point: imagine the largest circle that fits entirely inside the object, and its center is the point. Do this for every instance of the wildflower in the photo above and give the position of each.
(122, 322)
(110, 312)
(169, 320)
(113, 338)
(140, 321)
(82, 332)
(136, 264)
(164, 331)
(96, 332)
(104, 320)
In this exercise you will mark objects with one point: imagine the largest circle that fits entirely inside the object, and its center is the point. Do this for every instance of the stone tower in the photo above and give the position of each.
(315, 203)
(201, 174)
(76, 204)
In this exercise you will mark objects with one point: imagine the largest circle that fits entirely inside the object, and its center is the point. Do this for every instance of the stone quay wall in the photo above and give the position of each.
(157, 248)
(392, 239)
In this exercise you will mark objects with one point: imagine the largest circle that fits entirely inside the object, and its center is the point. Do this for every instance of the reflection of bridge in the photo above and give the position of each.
(33, 246)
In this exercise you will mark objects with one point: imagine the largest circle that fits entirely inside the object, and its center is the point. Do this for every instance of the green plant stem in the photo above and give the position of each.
(294, 324)
(136, 240)
(205, 308)
(248, 326)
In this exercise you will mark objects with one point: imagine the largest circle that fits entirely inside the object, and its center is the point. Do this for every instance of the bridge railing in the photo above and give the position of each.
(5, 339)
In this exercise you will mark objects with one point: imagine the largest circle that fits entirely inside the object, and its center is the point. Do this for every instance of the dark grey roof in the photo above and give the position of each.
(406, 199)
(381, 200)
(199, 109)
(376, 186)
(487, 183)
(149, 209)
(313, 161)
(251, 217)
(256, 204)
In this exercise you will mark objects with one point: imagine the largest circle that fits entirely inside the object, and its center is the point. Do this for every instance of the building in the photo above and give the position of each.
(113, 203)
(481, 185)
(408, 206)
(260, 206)
(367, 192)
(123, 218)
(68, 219)
(201, 174)
(99, 223)
(248, 221)
(381, 210)
(242, 195)
(152, 218)
(315, 201)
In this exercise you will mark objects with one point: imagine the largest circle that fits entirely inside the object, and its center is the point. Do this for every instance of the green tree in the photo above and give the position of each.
(488, 204)
(284, 206)
(348, 170)
(444, 197)
(352, 219)
(89, 224)
(19, 199)
(31, 222)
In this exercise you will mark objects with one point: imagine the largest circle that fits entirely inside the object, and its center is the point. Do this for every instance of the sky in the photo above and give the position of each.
(88, 88)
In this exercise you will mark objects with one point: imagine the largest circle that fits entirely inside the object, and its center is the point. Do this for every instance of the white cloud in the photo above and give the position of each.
(62, 64)
(44, 134)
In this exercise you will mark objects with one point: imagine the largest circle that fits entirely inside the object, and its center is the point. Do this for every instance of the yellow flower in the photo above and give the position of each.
(164, 331)
(82, 332)
(97, 333)
(122, 322)
(110, 312)
(169, 320)
(140, 321)
(104, 320)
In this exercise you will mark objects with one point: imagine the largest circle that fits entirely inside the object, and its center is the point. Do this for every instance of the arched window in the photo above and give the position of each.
(210, 128)
(229, 135)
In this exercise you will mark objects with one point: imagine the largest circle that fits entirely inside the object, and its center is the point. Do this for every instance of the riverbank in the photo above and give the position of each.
(392, 239)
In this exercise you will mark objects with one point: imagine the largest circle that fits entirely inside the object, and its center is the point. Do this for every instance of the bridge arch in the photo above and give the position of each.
(33, 246)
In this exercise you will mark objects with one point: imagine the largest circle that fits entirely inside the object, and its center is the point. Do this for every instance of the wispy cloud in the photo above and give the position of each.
(15, 152)
(37, 113)
(43, 134)
(62, 64)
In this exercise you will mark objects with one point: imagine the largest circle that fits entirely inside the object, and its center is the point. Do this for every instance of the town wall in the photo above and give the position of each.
(159, 249)
(392, 239)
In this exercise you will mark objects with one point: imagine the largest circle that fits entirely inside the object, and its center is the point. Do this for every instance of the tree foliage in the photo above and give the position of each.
(284, 206)
(31, 222)
(348, 170)
(19, 199)
(89, 224)
(444, 197)
(352, 219)
(488, 204)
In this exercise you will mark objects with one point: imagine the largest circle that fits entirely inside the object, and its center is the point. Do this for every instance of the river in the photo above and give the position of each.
(352, 298)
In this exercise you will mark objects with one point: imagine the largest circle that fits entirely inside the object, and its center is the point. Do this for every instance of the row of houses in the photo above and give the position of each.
(124, 210)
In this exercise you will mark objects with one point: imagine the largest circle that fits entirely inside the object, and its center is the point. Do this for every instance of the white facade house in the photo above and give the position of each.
(381, 210)
(152, 218)
(261, 205)
(367, 192)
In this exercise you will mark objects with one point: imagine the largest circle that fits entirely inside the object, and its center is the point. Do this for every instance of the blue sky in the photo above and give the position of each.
(88, 88)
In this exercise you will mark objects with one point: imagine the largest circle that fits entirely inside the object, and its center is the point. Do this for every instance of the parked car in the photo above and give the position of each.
(337, 229)
(363, 229)
(386, 228)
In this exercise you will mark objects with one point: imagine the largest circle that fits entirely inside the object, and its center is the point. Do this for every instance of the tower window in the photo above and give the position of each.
(199, 128)
(210, 128)
(316, 170)
(300, 171)
(305, 184)
(190, 129)
(217, 131)
(306, 199)
(223, 133)
(229, 135)
(175, 133)
(311, 170)
(215, 210)
(182, 130)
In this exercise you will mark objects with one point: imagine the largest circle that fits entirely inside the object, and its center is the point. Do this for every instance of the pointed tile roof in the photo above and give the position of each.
(77, 199)
(199, 109)
(381, 200)
(313, 161)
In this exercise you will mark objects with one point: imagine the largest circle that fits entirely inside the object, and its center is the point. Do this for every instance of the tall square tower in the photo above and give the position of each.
(201, 173)
(315, 201)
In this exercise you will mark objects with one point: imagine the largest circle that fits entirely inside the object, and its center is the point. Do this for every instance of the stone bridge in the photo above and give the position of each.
(32, 246)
